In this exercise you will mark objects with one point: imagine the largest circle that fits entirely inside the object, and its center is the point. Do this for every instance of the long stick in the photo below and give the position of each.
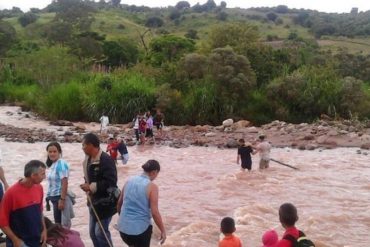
(99, 222)
(281, 163)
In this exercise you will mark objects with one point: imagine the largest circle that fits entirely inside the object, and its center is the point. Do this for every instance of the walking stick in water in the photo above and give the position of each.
(281, 163)
(99, 222)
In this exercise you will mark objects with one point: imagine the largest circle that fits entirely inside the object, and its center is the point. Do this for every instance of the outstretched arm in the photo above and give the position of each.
(153, 200)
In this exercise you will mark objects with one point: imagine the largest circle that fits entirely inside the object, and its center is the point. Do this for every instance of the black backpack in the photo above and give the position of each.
(301, 241)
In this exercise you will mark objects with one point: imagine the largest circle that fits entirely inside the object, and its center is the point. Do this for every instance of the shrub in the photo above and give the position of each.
(120, 96)
(63, 101)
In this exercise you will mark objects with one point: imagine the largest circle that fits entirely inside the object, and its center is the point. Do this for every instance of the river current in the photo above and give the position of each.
(199, 186)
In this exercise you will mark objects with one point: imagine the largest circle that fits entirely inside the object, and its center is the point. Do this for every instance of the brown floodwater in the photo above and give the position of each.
(200, 186)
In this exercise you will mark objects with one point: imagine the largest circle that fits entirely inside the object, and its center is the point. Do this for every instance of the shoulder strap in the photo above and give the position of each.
(290, 238)
(301, 234)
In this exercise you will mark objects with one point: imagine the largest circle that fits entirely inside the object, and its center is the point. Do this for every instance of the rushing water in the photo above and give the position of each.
(199, 186)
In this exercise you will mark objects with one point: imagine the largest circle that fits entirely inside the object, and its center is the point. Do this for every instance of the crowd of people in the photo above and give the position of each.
(21, 206)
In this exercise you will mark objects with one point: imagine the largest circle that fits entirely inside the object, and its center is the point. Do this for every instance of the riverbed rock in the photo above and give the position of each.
(61, 123)
(232, 143)
(227, 123)
(365, 146)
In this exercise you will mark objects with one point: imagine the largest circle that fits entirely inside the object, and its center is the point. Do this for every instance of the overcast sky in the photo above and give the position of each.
(338, 6)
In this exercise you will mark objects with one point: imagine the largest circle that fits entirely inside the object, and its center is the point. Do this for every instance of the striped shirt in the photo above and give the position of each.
(57, 171)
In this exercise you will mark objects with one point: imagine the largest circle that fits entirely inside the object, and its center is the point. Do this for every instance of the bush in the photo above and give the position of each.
(26, 94)
(63, 101)
(120, 96)
(27, 19)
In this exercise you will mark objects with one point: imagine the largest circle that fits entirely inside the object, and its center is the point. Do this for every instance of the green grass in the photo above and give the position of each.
(357, 45)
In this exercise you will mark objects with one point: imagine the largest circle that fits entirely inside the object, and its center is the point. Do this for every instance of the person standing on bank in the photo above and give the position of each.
(58, 179)
(21, 217)
(100, 175)
(137, 203)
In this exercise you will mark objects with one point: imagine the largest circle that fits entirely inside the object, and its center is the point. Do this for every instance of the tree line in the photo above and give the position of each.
(74, 72)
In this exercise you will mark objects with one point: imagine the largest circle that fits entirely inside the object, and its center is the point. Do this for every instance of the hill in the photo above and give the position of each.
(210, 62)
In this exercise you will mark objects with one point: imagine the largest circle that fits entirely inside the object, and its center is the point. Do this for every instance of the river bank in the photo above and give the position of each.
(19, 126)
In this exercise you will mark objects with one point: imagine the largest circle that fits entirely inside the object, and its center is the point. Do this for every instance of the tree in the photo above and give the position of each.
(122, 53)
(282, 9)
(27, 19)
(223, 4)
(169, 48)
(7, 36)
(192, 34)
(222, 16)
(182, 5)
(58, 32)
(271, 16)
(116, 3)
(209, 5)
(234, 79)
(174, 14)
(237, 35)
(154, 22)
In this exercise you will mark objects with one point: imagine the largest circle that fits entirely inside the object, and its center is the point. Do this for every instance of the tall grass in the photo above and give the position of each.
(63, 101)
(120, 96)
(26, 94)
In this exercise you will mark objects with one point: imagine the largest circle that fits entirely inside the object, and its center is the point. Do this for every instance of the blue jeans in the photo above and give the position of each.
(96, 234)
(57, 212)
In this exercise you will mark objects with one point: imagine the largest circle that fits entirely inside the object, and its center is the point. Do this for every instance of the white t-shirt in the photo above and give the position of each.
(104, 120)
(264, 149)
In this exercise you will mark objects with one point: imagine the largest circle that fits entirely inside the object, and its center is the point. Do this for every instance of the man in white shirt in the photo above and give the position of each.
(264, 148)
(104, 121)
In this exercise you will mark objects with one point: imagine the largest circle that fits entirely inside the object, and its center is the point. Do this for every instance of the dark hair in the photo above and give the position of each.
(262, 137)
(151, 165)
(227, 225)
(241, 141)
(288, 214)
(32, 167)
(91, 138)
(55, 232)
(49, 162)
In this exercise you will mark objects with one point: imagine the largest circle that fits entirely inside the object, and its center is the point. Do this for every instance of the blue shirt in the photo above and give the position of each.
(57, 171)
(135, 211)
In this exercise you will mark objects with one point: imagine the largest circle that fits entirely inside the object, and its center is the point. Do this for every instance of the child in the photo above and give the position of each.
(59, 236)
(122, 149)
(288, 216)
(244, 153)
(270, 239)
(227, 228)
(142, 129)
(112, 148)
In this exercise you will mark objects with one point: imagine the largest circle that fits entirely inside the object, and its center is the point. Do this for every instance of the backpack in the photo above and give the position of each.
(301, 241)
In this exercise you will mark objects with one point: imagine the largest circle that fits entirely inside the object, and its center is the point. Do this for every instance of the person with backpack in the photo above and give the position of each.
(292, 237)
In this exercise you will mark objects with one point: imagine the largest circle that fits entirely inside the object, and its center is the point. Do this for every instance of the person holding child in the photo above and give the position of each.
(228, 228)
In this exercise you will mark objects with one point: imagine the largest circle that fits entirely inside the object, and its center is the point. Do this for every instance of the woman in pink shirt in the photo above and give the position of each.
(58, 236)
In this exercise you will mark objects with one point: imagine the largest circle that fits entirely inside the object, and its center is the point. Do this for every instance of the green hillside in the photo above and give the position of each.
(210, 62)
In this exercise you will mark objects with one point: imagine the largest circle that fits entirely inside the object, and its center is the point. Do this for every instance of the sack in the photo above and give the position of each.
(107, 206)
(301, 241)
(111, 200)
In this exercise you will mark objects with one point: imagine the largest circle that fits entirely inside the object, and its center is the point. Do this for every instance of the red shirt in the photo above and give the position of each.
(112, 149)
(289, 231)
(230, 241)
